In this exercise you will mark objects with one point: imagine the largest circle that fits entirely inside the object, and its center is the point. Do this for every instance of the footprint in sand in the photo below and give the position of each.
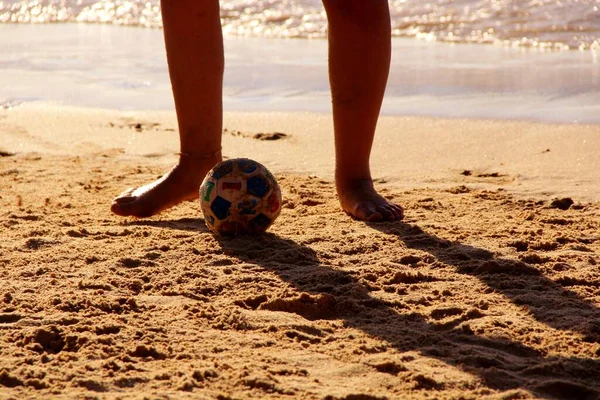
(468, 172)
(258, 136)
(139, 126)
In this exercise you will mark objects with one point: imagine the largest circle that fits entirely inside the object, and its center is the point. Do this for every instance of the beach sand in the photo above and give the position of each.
(489, 288)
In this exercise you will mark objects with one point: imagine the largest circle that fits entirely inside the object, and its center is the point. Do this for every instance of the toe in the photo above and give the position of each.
(121, 204)
(122, 208)
(397, 211)
(134, 203)
(138, 209)
(375, 217)
(387, 212)
(117, 208)
(125, 197)
(367, 212)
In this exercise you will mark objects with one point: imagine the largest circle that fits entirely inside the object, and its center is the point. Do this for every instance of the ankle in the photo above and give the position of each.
(210, 157)
(352, 172)
(344, 176)
(350, 184)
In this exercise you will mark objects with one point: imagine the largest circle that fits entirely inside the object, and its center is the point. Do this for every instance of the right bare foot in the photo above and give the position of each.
(180, 184)
(359, 199)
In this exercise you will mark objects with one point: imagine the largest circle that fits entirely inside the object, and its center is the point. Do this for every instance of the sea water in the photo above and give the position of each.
(534, 60)
(573, 24)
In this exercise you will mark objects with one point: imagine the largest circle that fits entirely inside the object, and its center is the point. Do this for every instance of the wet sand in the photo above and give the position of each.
(488, 289)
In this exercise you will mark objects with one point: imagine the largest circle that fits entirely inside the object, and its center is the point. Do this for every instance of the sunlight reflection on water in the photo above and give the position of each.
(548, 24)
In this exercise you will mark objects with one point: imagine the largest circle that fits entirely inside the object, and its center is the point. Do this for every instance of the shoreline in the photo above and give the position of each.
(532, 160)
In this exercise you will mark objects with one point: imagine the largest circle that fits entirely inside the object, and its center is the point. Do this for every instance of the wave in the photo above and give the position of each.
(544, 24)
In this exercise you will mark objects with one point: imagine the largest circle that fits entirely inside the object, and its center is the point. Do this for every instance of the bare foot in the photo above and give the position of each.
(359, 199)
(180, 184)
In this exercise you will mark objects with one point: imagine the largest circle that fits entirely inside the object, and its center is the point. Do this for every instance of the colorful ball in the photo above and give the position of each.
(240, 196)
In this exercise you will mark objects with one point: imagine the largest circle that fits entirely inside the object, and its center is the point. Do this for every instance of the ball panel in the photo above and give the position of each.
(270, 177)
(222, 169)
(247, 166)
(247, 206)
(258, 186)
(232, 228)
(220, 207)
(206, 190)
(210, 220)
(274, 203)
(259, 224)
(228, 185)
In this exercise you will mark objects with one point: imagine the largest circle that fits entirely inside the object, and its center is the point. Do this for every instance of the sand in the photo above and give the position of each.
(488, 289)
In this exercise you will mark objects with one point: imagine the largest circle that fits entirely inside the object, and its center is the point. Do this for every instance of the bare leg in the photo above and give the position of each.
(194, 43)
(359, 62)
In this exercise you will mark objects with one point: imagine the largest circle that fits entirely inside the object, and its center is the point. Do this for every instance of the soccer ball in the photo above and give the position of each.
(239, 196)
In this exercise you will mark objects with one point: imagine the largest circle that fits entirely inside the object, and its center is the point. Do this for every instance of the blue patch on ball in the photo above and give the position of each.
(247, 166)
(257, 186)
(220, 207)
(222, 169)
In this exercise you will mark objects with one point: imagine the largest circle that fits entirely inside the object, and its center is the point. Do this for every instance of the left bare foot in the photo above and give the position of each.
(178, 185)
(359, 199)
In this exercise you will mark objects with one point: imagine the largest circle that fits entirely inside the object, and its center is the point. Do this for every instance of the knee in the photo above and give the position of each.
(365, 13)
(200, 7)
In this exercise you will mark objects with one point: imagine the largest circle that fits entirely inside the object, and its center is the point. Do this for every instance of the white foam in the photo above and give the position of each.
(548, 24)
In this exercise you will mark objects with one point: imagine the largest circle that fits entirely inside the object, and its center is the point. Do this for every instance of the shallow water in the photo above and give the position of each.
(566, 24)
(125, 68)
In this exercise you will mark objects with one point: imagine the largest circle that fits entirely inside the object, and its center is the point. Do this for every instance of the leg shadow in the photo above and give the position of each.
(547, 301)
(181, 224)
(331, 293)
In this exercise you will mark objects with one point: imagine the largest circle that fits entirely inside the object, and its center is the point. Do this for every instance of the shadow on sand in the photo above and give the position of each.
(500, 363)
